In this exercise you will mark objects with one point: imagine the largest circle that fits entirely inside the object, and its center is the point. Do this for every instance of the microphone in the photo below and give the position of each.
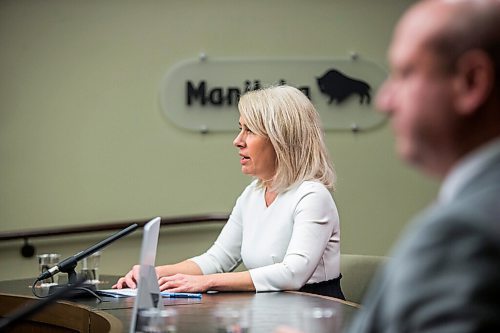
(68, 265)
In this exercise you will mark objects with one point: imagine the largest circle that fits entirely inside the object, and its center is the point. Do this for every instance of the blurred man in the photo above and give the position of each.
(443, 99)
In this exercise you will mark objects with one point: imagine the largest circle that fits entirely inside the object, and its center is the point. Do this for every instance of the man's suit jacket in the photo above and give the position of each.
(445, 272)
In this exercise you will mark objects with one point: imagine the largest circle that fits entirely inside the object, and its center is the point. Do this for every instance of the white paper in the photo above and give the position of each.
(125, 292)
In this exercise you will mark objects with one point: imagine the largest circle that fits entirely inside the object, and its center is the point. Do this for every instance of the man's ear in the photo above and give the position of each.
(474, 81)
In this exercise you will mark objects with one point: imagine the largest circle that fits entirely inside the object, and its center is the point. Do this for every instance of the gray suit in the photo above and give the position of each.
(445, 275)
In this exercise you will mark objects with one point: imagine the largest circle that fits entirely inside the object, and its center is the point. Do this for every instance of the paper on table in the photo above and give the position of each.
(125, 292)
(128, 292)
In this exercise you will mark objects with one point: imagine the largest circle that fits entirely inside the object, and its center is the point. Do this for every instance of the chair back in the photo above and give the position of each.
(357, 273)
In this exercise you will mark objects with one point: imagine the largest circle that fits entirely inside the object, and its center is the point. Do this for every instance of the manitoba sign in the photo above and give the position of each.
(202, 95)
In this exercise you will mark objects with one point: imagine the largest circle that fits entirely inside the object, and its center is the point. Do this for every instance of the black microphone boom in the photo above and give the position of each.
(68, 265)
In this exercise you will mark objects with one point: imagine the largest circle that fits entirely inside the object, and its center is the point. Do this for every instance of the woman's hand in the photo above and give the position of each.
(129, 280)
(184, 283)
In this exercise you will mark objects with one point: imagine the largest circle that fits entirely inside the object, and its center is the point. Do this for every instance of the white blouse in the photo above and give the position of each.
(294, 241)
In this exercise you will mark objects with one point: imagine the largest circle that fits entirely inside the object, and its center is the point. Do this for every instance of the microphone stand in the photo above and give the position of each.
(83, 290)
(68, 266)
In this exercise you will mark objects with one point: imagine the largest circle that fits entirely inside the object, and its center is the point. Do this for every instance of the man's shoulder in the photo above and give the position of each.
(447, 260)
(475, 211)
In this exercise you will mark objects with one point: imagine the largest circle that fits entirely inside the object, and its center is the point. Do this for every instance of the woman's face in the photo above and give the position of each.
(258, 157)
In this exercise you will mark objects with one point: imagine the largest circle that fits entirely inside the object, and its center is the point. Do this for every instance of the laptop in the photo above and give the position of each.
(148, 290)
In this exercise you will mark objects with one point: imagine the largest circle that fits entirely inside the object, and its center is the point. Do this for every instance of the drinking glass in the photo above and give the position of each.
(45, 262)
(90, 267)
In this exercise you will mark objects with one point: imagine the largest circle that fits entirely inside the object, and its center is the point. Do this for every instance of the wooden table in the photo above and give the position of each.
(268, 310)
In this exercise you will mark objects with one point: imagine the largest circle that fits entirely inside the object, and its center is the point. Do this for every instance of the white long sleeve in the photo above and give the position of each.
(294, 241)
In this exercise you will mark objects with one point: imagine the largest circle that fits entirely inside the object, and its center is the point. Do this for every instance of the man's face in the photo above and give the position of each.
(418, 95)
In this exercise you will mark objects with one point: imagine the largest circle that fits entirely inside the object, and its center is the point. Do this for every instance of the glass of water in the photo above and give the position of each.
(154, 320)
(320, 319)
(233, 320)
(90, 267)
(45, 262)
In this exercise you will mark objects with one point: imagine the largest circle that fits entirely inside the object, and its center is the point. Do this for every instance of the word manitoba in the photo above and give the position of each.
(220, 96)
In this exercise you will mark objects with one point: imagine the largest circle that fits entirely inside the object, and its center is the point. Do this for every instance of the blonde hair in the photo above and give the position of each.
(287, 117)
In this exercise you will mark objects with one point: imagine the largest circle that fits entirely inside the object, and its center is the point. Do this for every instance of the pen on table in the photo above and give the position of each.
(180, 295)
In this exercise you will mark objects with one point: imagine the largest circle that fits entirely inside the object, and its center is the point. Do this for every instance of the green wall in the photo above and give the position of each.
(83, 139)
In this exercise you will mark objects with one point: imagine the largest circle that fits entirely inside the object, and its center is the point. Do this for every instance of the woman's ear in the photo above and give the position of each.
(474, 81)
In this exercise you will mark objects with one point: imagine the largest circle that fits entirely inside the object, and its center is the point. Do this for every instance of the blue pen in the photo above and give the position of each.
(180, 295)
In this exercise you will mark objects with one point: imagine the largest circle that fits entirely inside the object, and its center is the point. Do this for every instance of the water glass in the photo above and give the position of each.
(233, 320)
(320, 319)
(45, 262)
(90, 267)
(154, 320)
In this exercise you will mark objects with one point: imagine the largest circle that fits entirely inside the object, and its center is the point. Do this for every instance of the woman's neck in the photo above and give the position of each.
(269, 196)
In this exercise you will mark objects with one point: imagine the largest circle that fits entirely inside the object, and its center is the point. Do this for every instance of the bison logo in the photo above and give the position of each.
(339, 87)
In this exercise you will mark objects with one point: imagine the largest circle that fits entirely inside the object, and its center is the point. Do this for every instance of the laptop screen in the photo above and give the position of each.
(148, 291)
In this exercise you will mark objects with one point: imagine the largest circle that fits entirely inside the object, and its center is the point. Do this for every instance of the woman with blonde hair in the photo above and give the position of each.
(285, 225)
